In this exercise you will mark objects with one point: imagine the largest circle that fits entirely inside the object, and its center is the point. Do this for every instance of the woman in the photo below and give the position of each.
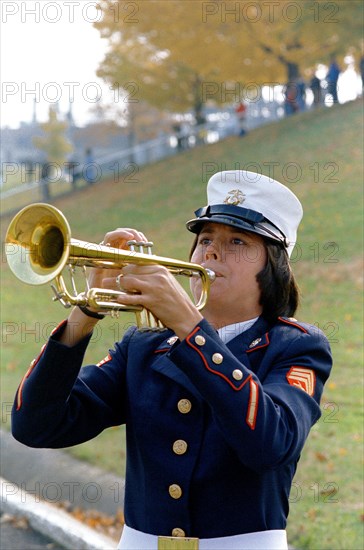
(218, 405)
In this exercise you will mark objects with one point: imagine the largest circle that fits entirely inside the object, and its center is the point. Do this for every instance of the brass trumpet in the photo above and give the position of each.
(38, 247)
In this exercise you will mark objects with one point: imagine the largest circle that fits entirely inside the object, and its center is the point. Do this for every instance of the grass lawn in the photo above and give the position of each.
(318, 155)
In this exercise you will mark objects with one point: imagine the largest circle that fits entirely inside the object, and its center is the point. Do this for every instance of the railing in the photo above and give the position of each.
(124, 164)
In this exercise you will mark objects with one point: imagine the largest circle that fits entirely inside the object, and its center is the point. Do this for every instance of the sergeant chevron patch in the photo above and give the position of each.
(302, 378)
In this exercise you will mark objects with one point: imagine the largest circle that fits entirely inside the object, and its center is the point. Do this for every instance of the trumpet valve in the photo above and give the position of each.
(142, 246)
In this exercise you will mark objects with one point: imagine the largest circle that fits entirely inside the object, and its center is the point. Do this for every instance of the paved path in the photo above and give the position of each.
(35, 481)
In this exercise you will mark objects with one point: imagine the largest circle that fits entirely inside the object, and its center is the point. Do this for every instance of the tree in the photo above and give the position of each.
(174, 51)
(56, 148)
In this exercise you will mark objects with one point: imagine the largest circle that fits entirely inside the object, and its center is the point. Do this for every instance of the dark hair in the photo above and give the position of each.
(280, 294)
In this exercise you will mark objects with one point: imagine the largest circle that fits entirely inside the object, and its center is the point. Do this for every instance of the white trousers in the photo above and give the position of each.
(262, 540)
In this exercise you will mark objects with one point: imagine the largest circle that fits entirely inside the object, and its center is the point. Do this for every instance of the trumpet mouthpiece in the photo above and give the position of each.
(211, 275)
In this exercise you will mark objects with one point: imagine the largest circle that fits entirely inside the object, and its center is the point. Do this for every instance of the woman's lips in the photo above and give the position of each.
(217, 273)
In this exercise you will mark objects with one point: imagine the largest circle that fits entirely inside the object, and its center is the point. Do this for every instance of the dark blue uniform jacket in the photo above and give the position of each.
(214, 431)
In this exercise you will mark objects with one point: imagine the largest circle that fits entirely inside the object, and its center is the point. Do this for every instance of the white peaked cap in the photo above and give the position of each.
(251, 202)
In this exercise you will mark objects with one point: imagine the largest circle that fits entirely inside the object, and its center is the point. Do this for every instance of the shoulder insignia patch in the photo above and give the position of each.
(302, 378)
(104, 360)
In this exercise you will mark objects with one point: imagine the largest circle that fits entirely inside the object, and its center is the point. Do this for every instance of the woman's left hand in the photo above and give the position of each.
(157, 290)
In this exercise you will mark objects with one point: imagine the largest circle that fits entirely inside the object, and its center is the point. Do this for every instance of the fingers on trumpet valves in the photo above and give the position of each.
(118, 281)
(120, 237)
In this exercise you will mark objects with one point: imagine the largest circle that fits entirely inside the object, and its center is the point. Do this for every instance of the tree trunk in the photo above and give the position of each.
(198, 101)
(292, 71)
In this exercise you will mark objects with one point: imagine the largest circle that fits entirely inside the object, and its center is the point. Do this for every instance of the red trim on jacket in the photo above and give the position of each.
(60, 325)
(292, 323)
(251, 415)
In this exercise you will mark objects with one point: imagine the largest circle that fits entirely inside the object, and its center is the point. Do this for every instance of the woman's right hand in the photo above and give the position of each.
(118, 238)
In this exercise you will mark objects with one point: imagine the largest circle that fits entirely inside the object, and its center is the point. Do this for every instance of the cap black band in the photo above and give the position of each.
(245, 214)
(250, 220)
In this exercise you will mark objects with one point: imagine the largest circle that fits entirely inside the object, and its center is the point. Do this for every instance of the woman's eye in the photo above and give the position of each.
(238, 241)
(205, 241)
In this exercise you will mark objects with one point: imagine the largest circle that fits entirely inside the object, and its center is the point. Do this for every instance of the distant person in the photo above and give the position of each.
(182, 133)
(332, 78)
(177, 133)
(240, 111)
(301, 94)
(90, 169)
(74, 172)
(315, 86)
(46, 175)
(361, 68)
(290, 99)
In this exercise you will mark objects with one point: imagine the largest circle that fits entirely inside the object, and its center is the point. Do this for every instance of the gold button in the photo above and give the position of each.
(180, 447)
(217, 358)
(175, 491)
(200, 340)
(237, 374)
(184, 406)
(178, 532)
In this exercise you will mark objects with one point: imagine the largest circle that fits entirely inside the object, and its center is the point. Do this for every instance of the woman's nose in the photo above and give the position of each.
(212, 252)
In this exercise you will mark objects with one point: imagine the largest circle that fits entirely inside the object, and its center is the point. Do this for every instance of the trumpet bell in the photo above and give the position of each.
(37, 252)
(38, 247)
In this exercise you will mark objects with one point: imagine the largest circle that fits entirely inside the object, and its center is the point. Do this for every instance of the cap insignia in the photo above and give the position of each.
(235, 197)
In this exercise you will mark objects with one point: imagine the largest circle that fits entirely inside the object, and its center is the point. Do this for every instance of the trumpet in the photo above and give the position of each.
(39, 247)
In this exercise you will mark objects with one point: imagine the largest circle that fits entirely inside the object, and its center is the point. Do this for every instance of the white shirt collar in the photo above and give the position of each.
(230, 331)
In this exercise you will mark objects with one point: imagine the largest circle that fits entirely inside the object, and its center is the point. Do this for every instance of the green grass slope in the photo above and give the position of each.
(318, 154)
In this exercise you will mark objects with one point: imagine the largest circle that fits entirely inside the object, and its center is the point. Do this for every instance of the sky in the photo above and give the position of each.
(49, 50)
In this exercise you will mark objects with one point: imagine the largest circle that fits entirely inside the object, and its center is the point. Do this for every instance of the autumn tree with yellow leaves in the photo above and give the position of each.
(54, 142)
(177, 54)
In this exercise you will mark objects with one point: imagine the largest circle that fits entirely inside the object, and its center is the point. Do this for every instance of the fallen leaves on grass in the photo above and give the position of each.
(321, 457)
(110, 526)
(19, 522)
